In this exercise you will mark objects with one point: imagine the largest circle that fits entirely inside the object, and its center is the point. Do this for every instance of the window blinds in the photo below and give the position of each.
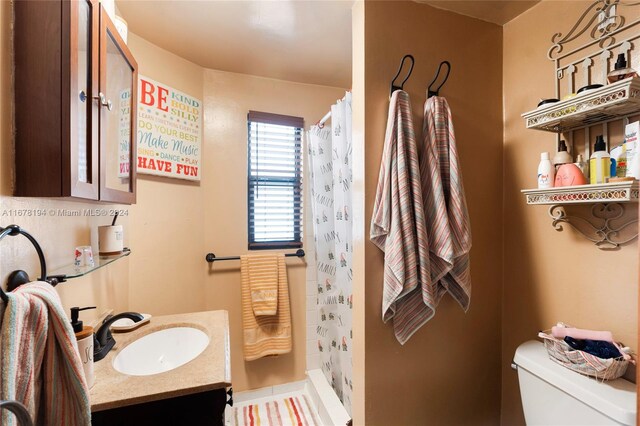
(274, 181)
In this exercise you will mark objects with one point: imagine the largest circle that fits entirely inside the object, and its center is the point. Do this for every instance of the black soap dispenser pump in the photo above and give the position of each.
(84, 336)
(620, 70)
(75, 318)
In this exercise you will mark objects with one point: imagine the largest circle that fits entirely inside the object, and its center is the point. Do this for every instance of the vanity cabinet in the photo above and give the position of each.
(75, 97)
(199, 409)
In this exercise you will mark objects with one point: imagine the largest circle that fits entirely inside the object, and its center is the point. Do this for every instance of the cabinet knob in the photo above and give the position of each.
(83, 96)
(103, 101)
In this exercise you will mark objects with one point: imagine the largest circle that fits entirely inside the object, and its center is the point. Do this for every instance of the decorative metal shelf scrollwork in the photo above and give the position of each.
(606, 224)
(601, 227)
(618, 192)
(609, 102)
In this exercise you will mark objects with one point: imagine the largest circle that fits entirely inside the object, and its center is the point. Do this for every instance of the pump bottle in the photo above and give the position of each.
(600, 162)
(84, 336)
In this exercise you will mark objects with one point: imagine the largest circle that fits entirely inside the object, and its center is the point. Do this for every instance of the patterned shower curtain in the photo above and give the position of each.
(331, 177)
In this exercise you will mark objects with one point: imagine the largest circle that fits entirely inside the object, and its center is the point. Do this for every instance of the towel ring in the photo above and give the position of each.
(19, 277)
(19, 410)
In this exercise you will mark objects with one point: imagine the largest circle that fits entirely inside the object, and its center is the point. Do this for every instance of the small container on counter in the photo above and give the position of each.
(84, 336)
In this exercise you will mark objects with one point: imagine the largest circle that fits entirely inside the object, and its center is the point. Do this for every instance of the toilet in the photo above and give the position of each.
(554, 395)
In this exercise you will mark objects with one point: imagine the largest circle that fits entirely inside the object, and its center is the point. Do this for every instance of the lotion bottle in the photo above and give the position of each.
(546, 172)
(582, 165)
(600, 162)
(562, 156)
(84, 336)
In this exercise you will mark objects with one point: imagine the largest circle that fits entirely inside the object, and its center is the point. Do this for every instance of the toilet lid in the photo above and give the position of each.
(613, 398)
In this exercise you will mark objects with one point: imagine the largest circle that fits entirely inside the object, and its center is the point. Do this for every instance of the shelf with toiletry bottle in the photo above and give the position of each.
(610, 102)
(608, 180)
(72, 271)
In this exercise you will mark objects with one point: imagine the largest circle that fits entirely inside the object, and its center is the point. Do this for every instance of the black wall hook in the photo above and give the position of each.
(431, 92)
(393, 86)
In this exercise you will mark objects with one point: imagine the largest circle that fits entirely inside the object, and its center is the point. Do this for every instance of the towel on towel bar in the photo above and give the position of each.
(39, 360)
(265, 334)
(263, 273)
(398, 226)
(445, 207)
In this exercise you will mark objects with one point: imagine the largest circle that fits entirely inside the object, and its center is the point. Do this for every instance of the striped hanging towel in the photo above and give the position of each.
(39, 360)
(398, 226)
(445, 207)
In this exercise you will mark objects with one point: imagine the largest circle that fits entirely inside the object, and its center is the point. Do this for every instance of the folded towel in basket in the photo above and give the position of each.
(599, 348)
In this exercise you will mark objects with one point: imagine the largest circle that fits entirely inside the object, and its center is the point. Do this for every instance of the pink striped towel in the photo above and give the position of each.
(445, 207)
(398, 226)
(39, 361)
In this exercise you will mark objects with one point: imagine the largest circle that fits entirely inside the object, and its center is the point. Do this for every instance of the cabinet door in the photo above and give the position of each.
(83, 110)
(118, 92)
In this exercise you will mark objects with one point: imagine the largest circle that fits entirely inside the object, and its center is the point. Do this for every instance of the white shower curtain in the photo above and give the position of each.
(330, 151)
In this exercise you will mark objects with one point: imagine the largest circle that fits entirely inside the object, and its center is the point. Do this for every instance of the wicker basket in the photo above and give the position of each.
(583, 362)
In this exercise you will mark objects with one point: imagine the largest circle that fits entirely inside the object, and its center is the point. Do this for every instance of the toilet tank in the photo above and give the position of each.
(554, 395)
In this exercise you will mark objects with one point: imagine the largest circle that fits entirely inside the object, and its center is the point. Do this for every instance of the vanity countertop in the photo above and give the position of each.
(210, 370)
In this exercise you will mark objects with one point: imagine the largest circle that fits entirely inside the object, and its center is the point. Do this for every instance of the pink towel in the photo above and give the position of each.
(39, 360)
(445, 208)
(398, 226)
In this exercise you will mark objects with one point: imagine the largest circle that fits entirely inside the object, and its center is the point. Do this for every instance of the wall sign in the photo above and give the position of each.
(169, 129)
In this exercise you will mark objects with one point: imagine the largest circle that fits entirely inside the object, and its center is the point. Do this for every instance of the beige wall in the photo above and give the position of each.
(360, 228)
(550, 276)
(449, 371)
(167, 272)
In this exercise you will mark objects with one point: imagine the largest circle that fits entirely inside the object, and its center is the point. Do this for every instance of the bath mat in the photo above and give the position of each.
(295, 410)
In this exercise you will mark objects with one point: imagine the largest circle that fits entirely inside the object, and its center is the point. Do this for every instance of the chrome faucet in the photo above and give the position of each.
(103, 341)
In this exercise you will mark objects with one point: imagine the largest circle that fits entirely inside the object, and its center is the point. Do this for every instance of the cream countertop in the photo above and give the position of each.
(208, 371)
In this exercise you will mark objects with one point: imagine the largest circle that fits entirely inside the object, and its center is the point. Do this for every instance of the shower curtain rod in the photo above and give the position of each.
(324, 119)
(327, 116)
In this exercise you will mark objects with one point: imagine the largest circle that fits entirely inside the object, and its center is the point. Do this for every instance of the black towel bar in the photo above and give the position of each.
(210, 257)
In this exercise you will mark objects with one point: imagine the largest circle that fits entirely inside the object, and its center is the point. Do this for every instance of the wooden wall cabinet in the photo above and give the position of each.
(75, 98)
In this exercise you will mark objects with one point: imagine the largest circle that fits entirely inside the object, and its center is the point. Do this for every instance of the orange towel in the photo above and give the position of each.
(263, 280)
(265, 334)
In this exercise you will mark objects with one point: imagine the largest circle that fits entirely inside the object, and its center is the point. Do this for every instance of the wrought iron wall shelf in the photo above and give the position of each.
(605, 224)
(609, 102)
(619, 192)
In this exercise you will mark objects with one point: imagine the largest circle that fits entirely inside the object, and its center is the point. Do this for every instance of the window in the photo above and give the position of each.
(274, 181)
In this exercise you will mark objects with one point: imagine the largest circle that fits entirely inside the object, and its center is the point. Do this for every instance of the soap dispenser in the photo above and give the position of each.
(84, 336)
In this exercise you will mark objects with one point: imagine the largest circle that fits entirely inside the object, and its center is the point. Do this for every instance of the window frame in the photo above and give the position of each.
(294, 182)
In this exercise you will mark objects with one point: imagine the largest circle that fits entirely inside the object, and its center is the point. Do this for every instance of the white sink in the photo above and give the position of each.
(161, 351)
